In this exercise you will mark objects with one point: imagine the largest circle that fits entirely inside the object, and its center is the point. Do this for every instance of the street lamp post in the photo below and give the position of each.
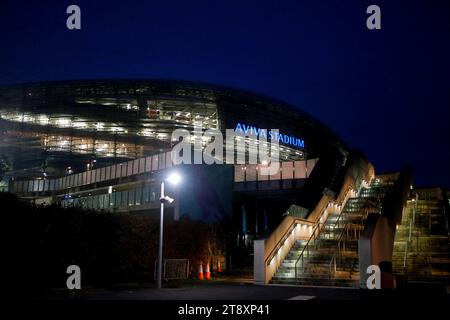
(161, 224)
(174, 179)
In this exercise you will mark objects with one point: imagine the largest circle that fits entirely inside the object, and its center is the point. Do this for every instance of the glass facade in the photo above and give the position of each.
(51, 129)
(121, 198)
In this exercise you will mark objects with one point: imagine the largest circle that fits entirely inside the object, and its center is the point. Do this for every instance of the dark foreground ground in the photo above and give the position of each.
(234, 289)
(177, 300)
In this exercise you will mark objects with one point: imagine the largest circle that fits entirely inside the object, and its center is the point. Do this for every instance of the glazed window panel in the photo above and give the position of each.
(94, 202)
(138, 199)
(41, 185)
(108, 173)
(262, 177)
(161, 161)
(136, 166)
(250, 172)
(148, 164)
(100, 201)
(102, 174)
(124, 169)
(124, 200)
(118, 199)
(168, 159)
(129, 168)
(113, 200)
(299, 170)
(94, 176)
(276, 176)
(141, 165)
(239, 173)
(88, 177)
(287, 172)
(146, 194)
(112, 172)
(154, 163)
(36, 185)
(108, 200)
(118, 170)
(131, 194)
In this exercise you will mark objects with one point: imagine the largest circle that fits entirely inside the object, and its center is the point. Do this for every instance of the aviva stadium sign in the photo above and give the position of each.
(271, 135)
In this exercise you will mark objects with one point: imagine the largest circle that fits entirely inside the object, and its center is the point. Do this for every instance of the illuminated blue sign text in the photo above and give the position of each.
(271, 135)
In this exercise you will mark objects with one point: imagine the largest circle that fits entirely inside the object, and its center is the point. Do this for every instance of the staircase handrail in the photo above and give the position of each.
(333, 259)
(282, 240)
(306, 247)
(318, 224)
(338, 245)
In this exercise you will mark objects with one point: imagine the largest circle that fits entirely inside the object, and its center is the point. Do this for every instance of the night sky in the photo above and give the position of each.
(385, 92)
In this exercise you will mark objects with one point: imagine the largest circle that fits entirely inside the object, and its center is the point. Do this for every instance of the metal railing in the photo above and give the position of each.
(313, 237)
(332, 266)
(280, 242)
(344, 235)
(292, 209)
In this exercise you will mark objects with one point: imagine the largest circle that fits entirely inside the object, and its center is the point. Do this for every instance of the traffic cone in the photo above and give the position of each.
(218, 266)
(200, 272)
(207, 272)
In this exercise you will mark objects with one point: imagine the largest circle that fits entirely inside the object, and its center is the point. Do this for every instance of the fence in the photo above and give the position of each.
(174, 269)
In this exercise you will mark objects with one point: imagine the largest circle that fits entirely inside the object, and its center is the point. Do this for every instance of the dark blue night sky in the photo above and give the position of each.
(386, 92)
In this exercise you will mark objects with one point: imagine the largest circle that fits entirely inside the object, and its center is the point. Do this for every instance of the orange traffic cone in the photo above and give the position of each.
(218, 266)
(207, 272)
(200, 272)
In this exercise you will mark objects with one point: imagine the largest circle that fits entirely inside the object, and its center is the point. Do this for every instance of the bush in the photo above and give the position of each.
(109, 248)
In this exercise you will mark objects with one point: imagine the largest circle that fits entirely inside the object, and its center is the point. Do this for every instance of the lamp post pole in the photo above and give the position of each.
(174, 179)
(161, 223)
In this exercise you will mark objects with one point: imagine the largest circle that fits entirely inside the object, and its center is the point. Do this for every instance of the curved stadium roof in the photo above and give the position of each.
(130, 118)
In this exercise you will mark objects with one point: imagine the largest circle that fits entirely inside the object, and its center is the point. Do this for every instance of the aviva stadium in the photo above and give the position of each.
(321, 219)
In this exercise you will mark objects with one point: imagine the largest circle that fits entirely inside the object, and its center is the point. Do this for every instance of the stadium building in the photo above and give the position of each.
(323, 218)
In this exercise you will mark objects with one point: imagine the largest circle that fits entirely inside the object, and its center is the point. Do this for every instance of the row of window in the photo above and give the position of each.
(119, 199)
(289, 170)
(132, 167)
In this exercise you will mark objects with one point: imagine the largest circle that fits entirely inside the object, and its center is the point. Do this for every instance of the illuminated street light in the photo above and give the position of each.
(174, 179)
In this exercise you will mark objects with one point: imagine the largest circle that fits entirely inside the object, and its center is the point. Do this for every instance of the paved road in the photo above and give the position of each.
(212, 291)
(236, 289)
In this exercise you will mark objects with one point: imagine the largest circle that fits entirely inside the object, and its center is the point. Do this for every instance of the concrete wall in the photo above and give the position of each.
(376, 244)
(270, 252)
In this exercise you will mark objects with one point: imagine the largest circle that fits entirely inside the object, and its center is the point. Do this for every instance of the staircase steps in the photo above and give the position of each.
(317, 269)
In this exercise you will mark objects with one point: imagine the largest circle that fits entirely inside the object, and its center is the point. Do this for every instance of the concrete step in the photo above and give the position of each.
(319, 282)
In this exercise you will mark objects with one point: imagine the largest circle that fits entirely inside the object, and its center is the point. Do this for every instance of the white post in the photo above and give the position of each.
(159, 275)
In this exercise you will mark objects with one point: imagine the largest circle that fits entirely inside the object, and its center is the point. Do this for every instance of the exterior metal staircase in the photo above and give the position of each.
(331, 258)
(422, 244)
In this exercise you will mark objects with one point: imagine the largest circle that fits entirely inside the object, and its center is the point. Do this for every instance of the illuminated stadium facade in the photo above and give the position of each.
(110, 121)
(61, 138)
(106, 145)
